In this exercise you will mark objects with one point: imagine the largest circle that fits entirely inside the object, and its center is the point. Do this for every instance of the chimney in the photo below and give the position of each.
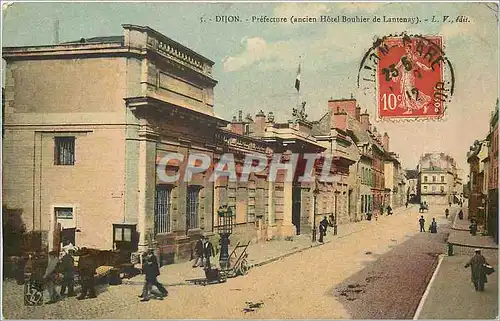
(358, 113)
(260, 123)
(340, 120)
(385, 142)
(348, 105)
(365, 120)
(237, 125)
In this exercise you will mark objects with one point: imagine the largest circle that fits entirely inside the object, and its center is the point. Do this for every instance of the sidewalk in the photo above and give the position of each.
(460, 236)
(261, 253)
(452, 296)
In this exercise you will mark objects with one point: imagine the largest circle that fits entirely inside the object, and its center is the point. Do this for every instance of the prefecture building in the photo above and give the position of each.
(85, 124)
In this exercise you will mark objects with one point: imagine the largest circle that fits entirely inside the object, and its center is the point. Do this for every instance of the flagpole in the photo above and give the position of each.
(298, 90)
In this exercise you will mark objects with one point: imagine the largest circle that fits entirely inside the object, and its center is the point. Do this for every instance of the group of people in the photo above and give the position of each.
(203, 251)
(432, 227)
(479, 267)
(65, 266)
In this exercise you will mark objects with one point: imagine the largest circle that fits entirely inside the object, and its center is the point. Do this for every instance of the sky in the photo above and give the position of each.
(256, 63)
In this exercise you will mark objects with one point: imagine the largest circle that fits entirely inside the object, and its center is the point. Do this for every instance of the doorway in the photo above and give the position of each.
(296, 205)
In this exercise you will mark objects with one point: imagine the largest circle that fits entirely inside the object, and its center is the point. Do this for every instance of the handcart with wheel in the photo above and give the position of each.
(238, 264)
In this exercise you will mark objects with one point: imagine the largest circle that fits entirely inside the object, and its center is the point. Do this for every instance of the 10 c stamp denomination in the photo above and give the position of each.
(410, 77)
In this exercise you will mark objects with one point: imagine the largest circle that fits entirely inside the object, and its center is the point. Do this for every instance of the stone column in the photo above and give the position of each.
(147, 184)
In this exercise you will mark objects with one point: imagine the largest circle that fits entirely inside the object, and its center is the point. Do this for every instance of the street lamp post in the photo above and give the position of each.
(335, 217)
(315, 194)
(225, 228)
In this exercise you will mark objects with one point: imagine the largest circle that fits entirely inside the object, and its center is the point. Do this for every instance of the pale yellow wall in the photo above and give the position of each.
(78, 91)
(389, 175)
(93, 186)
(74, 97)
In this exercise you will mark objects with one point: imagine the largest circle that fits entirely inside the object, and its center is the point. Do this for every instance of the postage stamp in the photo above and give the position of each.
(410, 75)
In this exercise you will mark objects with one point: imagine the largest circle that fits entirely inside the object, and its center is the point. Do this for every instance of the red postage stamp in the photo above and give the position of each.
(409, 76)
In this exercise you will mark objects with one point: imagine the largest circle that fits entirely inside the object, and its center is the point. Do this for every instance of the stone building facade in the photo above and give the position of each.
(83, 153)
(492, 207)
(483, 179)
(91, 142)
(437, 178)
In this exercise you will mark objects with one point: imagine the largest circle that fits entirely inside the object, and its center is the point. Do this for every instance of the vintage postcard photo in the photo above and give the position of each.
(250, 160)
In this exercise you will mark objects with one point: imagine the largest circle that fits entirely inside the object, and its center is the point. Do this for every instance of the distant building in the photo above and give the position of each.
(476, 157)
(437, 179)
(412, 190)
(395, 179)
(492, 222)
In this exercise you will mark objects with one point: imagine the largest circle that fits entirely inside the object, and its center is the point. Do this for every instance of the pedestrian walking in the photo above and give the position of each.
(461, 215)
(389, 210)
(478, 275)
(433, 227)
(323, 225)
(447, 212)
(421, 221)
(406, 204)
(208, 251)
(151, 271)
(473, 228)
(86, 269)
(50, 277)
(198, 252)
(68, 271)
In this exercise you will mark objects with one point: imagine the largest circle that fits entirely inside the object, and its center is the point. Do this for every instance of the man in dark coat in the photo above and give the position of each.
(208, 251)
(198, 252)
(478, 276)
(323, 225)
(446, 212)
(86, 269)
(68, 271)
(421, 221)
(151, 271)
(461, 215)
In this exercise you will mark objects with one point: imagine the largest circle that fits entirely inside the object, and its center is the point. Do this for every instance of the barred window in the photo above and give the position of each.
(162, 209)
(192, 202)
(64, 150)
(64, 212)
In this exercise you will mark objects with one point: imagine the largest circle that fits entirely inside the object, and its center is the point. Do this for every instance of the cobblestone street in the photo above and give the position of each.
(298, 286)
